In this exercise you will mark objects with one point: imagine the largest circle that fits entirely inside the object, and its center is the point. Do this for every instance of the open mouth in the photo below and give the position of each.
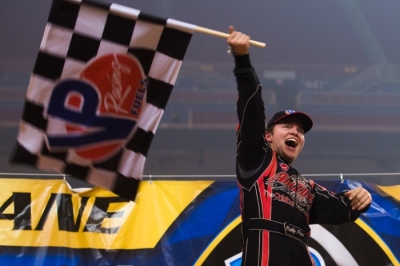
(291, 143)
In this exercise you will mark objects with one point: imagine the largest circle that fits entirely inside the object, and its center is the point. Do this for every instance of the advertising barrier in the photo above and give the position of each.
(45, 222)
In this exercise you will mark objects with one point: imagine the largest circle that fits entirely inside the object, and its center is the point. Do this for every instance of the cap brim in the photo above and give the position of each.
(304, 119)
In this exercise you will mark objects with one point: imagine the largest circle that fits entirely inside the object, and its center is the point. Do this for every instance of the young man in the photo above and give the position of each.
(277, 202)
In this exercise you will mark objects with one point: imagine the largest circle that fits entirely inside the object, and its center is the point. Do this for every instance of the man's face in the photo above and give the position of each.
(287, 138)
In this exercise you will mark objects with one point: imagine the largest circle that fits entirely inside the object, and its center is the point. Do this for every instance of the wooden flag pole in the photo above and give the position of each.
(225, 35)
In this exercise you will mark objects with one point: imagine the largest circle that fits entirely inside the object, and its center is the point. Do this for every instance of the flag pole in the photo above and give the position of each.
(225, 35)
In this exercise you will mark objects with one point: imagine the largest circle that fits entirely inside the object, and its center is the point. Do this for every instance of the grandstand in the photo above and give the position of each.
(337, 60)
(355, 129)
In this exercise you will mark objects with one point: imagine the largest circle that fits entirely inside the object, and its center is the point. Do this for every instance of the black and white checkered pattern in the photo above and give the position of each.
(76, 32)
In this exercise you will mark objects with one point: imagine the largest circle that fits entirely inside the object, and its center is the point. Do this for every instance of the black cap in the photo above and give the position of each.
(304, 119)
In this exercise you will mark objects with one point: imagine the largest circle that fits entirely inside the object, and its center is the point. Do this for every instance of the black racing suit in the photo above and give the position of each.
(277, 202)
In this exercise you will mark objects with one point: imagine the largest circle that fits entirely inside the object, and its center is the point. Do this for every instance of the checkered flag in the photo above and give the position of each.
(98, 90)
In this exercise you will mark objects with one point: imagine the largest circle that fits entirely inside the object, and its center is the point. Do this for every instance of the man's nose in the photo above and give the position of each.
(295, 130)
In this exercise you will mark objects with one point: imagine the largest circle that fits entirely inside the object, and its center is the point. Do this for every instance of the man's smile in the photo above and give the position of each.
(291, 142)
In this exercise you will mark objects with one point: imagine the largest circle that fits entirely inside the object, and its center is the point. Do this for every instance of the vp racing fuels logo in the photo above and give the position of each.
(95, 114)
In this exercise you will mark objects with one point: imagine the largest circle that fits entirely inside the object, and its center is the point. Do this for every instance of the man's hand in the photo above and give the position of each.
(239, 42)
(360, 198)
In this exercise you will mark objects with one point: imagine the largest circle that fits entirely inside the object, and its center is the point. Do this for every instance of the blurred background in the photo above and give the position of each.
(337, 60)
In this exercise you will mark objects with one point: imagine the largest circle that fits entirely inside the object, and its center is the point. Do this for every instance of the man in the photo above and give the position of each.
(277, 202)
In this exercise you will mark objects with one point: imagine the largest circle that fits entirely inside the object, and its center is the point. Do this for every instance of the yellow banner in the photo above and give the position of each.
(38, 213)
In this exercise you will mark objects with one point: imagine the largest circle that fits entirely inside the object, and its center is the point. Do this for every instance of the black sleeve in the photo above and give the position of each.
(251, 145)
(331, 208)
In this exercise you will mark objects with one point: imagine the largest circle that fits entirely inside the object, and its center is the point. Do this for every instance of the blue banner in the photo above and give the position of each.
(44, 222)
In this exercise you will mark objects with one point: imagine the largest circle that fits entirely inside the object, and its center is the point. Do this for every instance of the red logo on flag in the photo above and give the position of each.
(121, 83)
(101, 109)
